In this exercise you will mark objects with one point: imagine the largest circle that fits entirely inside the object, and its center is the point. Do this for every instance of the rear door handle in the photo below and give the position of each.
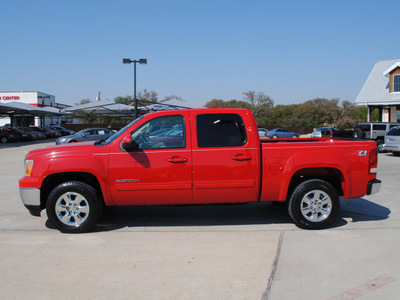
(177, 160)
(241, 157)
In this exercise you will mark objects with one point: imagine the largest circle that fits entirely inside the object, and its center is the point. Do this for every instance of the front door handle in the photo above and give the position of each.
(241, 157)
(177, 160)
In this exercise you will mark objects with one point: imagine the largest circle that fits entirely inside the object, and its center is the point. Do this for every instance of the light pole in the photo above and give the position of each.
(127, 61)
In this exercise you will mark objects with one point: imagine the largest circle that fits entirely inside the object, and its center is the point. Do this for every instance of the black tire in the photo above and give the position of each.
(74, 207)
(274, 136)
(379, 146)
(73, 141)
(314, 204)
(4, 139)
(358, 133)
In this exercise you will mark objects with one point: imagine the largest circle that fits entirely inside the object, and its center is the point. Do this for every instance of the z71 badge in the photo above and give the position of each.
(359, 153)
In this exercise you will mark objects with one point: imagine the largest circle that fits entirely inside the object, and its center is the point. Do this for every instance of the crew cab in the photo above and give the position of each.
(196, 156)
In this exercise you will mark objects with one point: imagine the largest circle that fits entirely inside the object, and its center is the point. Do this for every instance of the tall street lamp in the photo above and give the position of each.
(127, 61)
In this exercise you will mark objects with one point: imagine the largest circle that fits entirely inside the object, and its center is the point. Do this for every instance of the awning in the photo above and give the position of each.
(104, 108)
(107, 108)
(22, 109)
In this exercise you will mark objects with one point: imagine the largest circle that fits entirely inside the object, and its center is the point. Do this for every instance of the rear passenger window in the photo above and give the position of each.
(220, 130)
(379, 127)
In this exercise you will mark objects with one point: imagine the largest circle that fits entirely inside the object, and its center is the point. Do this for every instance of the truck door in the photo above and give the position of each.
(160, 171)
(225, 162)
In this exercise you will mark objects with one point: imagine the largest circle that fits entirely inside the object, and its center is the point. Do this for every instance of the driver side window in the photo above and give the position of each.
(161, 133)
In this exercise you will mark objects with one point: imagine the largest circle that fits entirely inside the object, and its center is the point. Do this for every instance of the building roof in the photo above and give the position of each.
(376, 89)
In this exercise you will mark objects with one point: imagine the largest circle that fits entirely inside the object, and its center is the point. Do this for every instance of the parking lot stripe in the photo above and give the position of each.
(363, 289)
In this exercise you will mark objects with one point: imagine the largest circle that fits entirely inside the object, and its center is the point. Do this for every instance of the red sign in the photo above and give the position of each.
(10, 98)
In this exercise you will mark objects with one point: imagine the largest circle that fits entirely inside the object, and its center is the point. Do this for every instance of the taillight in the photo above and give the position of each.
(373, 161)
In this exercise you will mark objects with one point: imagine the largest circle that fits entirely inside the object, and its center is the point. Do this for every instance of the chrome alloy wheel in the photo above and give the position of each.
(72, 209)
(316, 206)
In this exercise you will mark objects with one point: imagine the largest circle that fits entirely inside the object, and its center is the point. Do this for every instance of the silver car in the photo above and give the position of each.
(262, 132)
(88, 134)
(392, 141)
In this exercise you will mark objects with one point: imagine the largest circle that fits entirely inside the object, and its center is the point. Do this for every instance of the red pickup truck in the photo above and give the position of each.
(196, 156)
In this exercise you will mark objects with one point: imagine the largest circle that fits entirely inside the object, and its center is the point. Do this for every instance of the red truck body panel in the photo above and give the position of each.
(195, 174)
(281, 162)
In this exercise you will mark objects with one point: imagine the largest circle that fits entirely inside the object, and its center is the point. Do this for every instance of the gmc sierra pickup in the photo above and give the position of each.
(196, 156)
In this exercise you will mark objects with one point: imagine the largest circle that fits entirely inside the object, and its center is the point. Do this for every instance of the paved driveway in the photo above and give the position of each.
(211, 252)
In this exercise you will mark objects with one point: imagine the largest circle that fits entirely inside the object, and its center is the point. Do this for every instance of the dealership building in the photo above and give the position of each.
(27, 108)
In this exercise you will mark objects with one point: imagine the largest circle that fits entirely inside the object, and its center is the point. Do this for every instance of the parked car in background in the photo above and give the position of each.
(262, 132)
(114, 129)
(88, 134)
(281, 133)
(392, 141)
(42, 132)
(32, 130)
(373, 131)
(61, 129)
(22, 135)
(332, 132)
(57, 132)
(7, 136)
(49, 133)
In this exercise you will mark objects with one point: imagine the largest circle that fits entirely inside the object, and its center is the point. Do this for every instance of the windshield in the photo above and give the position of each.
(117, 134)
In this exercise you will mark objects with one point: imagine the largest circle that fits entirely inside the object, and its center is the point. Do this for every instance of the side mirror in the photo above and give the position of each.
(128, 144)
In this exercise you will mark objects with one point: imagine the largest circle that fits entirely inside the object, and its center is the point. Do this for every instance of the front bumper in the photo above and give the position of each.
(373, 186)
(31, 199)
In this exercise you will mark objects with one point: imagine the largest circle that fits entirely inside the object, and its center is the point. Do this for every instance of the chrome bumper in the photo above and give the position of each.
(31, 199)
(373, 187)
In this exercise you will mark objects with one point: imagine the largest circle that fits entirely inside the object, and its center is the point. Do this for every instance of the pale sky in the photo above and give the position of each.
(292, 50)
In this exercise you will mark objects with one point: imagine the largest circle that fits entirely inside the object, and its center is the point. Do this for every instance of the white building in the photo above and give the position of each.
(37, 99)
(382, 91)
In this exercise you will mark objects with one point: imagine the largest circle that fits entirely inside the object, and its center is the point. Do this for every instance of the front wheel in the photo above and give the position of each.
(314, 204)
(74, 207)
(358, 133)
(4, 139)
(379, 146)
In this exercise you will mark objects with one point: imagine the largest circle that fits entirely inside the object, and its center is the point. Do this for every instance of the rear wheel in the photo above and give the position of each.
(4, 139)
(314, 204)
(74, 207)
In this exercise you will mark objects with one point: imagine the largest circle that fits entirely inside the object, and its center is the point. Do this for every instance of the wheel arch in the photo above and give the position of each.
(51, 181)
(329, 174)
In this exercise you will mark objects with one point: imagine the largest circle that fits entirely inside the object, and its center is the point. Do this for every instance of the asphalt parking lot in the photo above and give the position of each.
(248, 251)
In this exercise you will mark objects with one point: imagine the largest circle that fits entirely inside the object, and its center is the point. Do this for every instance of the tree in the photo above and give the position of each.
(258, 101)
(84, 101)
(123, 100)
(145, 97)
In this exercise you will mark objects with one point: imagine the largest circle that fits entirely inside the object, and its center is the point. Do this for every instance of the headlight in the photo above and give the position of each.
(28, 167)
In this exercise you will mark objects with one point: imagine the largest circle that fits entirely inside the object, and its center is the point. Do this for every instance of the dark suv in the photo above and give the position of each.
(373, 131)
